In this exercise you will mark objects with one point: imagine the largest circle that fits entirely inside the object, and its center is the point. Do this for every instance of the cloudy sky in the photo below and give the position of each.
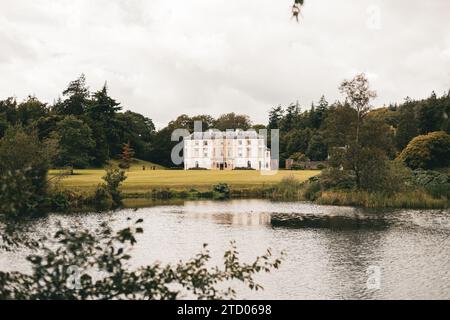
(163, 58)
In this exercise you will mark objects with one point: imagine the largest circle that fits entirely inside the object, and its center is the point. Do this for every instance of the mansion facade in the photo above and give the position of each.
(228, 150)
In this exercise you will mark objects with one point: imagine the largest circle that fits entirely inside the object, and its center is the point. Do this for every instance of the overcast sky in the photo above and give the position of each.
(163, 58)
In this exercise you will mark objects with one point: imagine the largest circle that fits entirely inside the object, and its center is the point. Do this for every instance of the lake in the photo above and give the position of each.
(332, 252)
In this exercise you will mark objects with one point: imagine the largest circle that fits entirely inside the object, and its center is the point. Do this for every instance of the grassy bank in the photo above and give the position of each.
(411, 199)
(142, 188)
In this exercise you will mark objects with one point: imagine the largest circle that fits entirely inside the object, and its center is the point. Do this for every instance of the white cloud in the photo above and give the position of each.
(164, 58)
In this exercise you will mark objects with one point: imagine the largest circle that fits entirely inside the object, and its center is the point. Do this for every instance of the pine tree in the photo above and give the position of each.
(127, 156)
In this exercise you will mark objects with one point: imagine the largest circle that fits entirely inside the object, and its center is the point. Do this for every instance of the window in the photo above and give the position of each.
(240, 142)
(196, 164)
(249, 142)
(249, 164)
(205, 143)
(196, 143)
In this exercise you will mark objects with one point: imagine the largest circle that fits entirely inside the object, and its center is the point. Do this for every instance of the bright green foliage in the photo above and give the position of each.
(428, 151)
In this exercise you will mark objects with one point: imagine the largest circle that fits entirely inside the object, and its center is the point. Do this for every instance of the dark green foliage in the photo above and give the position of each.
(77, 98)
(24, 163)
(317, 149)
(102, 199)
(75, 143)
(232, 121)
(221, 191)
(436, 183)
(84, 265)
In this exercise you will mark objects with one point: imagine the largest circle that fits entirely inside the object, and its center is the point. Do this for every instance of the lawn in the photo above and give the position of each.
(140, 181)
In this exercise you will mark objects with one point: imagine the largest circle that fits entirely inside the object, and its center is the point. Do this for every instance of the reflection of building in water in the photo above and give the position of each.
(242, 219)
(226, 150)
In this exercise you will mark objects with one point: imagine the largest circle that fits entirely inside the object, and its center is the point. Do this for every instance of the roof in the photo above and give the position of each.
(214, 134)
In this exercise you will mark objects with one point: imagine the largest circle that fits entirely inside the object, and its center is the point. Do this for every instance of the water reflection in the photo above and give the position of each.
(328, 221)
(329, 249)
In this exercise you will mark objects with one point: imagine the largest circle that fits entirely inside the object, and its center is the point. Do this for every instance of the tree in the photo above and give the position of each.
(139, 131)
(232, 121)
(113, 180)
(359, 144)
(275, 116)
(75, 142)
(65, 269)
(31, 110)
(77, 94)
(107, 130)
(358, 95)
(318, 113)
(317, 149)
(428, 151)
(127, 156)
(24, 164)
(408, 125)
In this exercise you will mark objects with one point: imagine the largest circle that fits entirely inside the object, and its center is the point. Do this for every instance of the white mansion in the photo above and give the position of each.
(226, 150)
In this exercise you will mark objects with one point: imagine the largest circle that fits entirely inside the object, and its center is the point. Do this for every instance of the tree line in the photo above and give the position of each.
(90, 128)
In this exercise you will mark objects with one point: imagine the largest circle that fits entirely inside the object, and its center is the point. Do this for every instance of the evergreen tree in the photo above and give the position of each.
(77, 94)
(127, 156)
(275, 116)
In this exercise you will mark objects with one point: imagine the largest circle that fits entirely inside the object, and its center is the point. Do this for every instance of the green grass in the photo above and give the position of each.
(417, 199)
(139, 181)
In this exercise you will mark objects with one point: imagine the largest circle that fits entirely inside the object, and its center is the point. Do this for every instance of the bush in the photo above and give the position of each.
(243, 168)
(24, 164)
(312, 190)
(113, 179)
(435, 183)
(102, 199)
(428, 151)
(333, 178)
(221, 191)
(63, 269)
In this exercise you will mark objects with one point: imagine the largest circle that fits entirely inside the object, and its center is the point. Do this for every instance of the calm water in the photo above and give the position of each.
(329, 249)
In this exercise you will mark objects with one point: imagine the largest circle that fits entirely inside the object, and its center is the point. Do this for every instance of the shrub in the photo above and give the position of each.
(321, 166)
(427, 151)
(113, 179)
(333, 178)
(63, 270)
(221, 191)
(24, 164)
(102, 199)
